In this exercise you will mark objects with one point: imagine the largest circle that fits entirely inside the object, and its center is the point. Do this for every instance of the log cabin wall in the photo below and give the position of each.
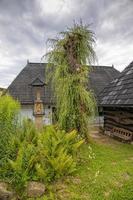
(118, 122)
(117, 101)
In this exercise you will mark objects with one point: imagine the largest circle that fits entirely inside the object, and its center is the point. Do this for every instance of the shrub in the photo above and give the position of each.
(44, 156)
(9, 110)
(56, 151)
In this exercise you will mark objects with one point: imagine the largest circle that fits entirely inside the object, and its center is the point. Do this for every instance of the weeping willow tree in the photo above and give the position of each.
(72, 54)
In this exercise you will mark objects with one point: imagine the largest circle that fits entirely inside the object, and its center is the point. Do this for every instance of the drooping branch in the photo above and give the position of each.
(70, 53)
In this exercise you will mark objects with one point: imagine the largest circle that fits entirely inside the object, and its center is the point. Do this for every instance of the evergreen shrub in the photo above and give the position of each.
(9, 110)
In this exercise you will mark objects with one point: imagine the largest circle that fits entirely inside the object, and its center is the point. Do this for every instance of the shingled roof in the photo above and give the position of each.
(22, 87)
(100, 76)
(120, 91)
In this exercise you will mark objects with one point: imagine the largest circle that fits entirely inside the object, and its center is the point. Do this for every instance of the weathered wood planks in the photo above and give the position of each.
(119, 121)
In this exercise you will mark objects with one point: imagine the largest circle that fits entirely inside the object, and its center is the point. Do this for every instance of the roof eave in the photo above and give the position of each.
(118, 105)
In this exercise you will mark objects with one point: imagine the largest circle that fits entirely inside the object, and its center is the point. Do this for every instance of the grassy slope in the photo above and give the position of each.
(108, 176)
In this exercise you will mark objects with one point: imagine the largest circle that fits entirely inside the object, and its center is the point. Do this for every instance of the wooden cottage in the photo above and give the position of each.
(117, 102)
(35, 95)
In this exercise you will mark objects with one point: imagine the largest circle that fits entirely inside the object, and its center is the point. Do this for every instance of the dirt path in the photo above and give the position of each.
(101, 138)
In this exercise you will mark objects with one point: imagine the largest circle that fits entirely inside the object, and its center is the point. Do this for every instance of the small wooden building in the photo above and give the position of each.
(117, 102)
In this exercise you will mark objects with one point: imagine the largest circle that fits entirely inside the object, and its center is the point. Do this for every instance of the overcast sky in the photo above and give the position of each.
(25, 26)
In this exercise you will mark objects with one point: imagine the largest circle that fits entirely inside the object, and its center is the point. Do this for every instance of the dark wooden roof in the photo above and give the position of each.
(120, 91)
(100, 76)
(22, 87)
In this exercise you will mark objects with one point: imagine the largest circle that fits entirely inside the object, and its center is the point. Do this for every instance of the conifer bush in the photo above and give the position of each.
(9, 110)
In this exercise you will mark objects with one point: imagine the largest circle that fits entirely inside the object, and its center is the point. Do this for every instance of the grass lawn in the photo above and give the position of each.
(107, 176)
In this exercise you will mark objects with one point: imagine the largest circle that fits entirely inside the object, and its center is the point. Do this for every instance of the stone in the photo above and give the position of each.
(126, 176)
(35, 189)
(107, 194)
(5, 194)
(76, 180)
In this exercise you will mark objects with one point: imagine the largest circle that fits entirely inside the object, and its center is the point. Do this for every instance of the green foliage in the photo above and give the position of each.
(107, 176)
(56, 151)
(17, 166)
(9, 110)
(41, 198)
(70, 53)
(44, 156)
(105, 172)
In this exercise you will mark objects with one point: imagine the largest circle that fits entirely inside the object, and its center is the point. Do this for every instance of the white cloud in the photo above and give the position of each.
(108, 25)
(119, 53)
(50, 6)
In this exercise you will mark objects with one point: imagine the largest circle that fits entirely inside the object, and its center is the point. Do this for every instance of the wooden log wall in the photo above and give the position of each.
(119, 122)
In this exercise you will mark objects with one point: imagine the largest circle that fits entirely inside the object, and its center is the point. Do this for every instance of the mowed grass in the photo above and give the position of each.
(107, 176)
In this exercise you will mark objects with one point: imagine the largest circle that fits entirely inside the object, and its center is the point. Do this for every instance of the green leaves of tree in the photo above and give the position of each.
(68, 58)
